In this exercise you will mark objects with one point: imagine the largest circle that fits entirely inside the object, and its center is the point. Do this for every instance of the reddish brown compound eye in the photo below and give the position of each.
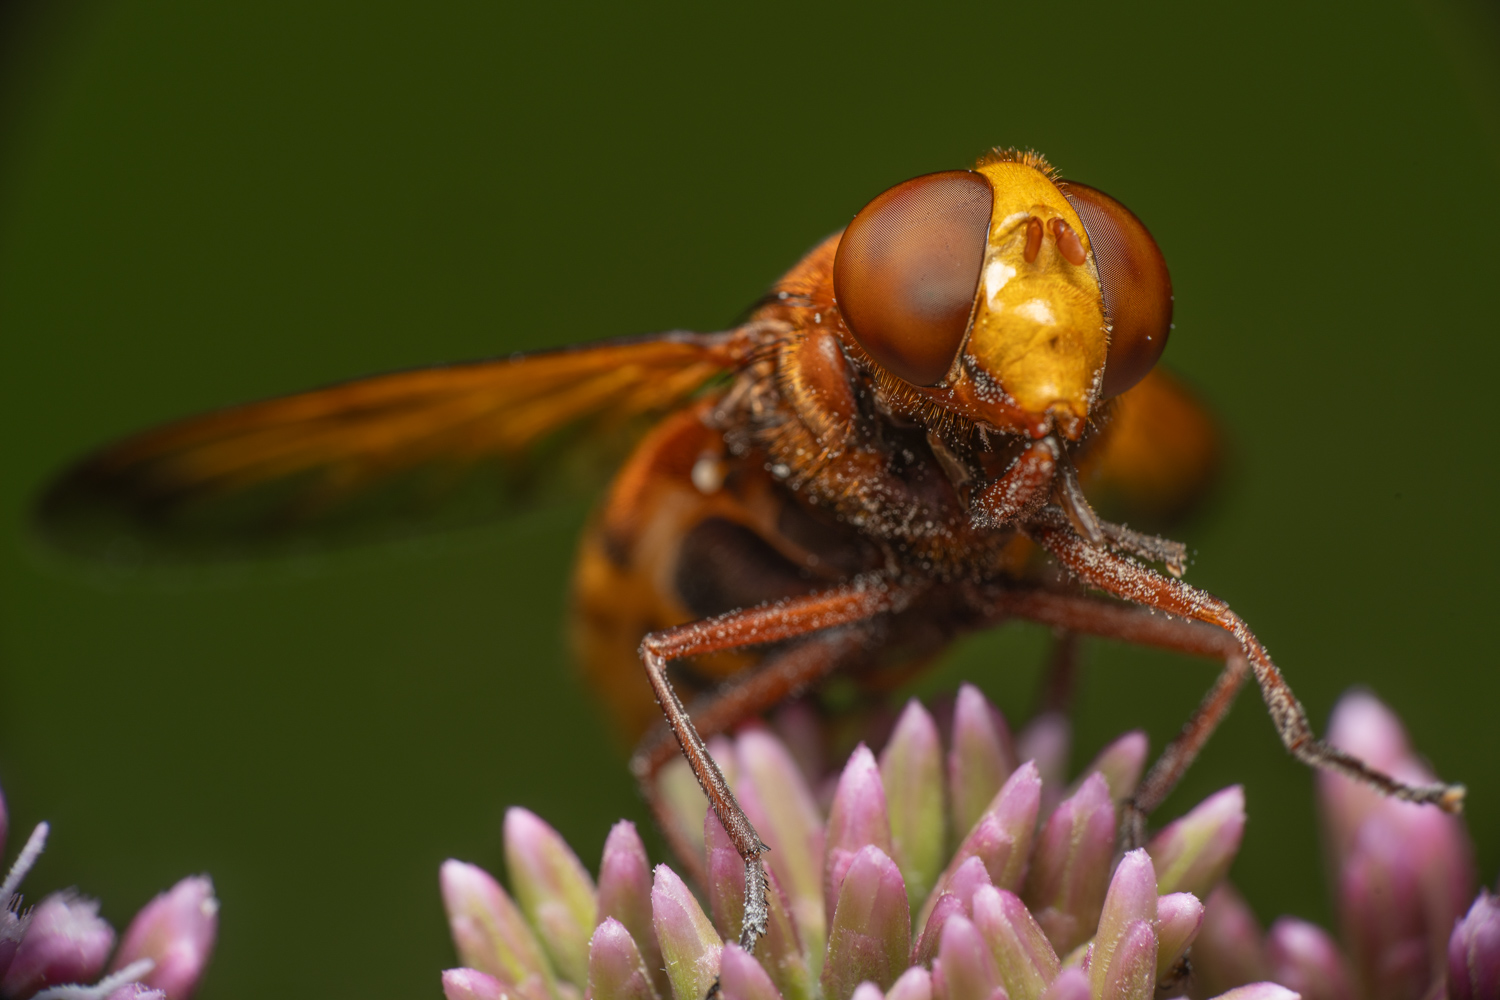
(1133, 276)
(907, 270)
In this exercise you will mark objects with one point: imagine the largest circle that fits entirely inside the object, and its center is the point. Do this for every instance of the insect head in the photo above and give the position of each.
(1018, 299)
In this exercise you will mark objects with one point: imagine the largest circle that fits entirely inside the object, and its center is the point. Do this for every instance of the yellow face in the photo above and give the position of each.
(1003, 295)
(1038, 327)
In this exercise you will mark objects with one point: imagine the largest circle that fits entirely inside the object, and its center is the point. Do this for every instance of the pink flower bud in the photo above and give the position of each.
(554, 890)
(939, 981)
(1046, 741)
(489, 932)
(13, 925)
(741, 977)
(981, 758)
(856, 820)
(968, 970)
(781, 951)
(67, 942)
(968, 879)
(689, 945)
(471, 984)
(1381, 912)
(1070, 984)
(1131, 900)
(1227, 952)
(1193, 853)
(1179, 916)
(911, 772)
(956, 897)
(1121, 764)
(616, 969)
(135, 991)
(625, 894)
(1474, 952)
(1130, 973)
(1435, 852)
(1023, 957)
(1304, 958)
(871, 928)
(775, 797)
(867, 991)
(726, 879)
(943, 906)
(1259, 991)
(1365, 727)
(13, 921)
(915, 984)
(176, 930)
(1434, 843)
(1070, 869)
(1002, 837)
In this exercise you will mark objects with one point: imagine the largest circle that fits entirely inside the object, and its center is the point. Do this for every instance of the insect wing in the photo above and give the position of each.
(391, 454)
(1158, 455)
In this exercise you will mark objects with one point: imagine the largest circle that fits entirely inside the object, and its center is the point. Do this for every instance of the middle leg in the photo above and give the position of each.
(1077, 614)
(1131, 581)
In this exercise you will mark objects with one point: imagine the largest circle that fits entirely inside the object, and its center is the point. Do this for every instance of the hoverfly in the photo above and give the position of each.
(891, 451)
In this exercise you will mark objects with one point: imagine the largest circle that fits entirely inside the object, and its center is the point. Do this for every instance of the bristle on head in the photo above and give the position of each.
(1026, 157)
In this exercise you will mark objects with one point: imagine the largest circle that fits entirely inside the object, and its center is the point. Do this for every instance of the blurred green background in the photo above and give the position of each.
(208, 203)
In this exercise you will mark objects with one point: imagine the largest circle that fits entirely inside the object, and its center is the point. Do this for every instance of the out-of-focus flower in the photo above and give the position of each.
(470, 984)
(67, 942)
(57, 950)
(491, 934)
(1474, 952)
(1193, 854)
(1304, 957)
(176, 932)
(554, 890)
(1403, 875)
(933, 876)
(13, 922)
(132, 991)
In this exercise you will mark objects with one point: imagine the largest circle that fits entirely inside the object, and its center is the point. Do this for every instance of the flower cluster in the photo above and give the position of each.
(59, 949)
(1403, 877)
(964, 874)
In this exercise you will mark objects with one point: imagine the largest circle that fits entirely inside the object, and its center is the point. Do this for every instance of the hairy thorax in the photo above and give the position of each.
(897, 471)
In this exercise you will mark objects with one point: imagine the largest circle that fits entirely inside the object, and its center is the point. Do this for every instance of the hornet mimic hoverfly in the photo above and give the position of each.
(891, 451)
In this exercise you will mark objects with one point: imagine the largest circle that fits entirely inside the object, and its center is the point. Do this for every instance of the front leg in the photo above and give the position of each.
(793, 618)
(1021, 489)
(780, 676)
(1125, 578)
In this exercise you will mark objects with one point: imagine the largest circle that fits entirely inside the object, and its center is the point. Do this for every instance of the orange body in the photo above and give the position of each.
(779, 484)
(783, 457)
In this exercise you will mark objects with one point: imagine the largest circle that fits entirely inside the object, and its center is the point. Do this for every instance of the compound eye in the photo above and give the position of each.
(1133, 276)
(907, 270)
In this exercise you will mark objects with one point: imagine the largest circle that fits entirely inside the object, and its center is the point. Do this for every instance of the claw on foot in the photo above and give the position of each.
(756, 913)
(1451, 799)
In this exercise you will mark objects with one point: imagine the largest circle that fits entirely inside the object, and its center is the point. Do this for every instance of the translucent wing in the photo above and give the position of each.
(1158, 456)
(389, 454)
